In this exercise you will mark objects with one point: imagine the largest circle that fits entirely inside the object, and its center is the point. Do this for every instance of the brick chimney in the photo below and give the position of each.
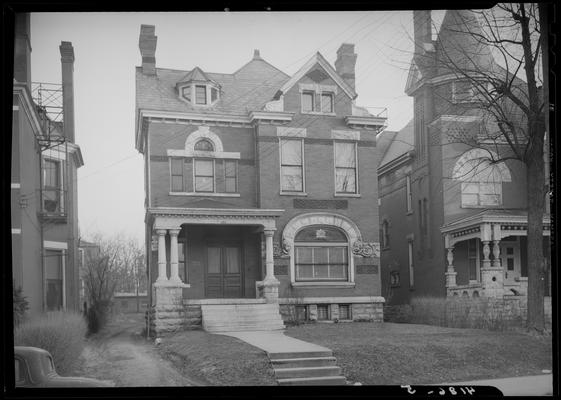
(422, 30)
(147, 44)
(67, 62)
(345, 63)
(22, 49)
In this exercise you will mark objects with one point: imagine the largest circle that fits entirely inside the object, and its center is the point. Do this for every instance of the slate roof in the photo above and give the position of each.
(249, 88)
(400, 143)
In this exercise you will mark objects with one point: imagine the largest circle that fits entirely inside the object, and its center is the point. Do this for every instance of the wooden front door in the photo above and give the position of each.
(224, 273)
(510, 261)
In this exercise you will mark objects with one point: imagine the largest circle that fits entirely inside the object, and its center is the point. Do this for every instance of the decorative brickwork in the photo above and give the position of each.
(321, 204)
(366, 269)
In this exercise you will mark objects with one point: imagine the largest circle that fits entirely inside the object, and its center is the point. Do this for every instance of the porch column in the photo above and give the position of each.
(162, 276)
(270, 283)
(450, 270)
(496, 247)
(491, 275)
(174, 257)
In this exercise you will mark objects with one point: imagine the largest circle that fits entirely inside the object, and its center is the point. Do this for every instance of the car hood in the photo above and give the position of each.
(71, 381)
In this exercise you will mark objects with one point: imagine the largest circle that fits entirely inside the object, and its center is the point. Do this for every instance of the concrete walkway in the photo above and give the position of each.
(275, 342)
(536, 385)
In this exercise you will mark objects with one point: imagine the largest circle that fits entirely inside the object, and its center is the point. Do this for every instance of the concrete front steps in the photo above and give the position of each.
(247, 316)
(306, 368)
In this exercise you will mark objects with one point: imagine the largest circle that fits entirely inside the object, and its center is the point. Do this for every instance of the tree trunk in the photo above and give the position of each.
(536, 265)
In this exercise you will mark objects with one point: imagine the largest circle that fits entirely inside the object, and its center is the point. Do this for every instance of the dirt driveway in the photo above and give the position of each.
(120, 354)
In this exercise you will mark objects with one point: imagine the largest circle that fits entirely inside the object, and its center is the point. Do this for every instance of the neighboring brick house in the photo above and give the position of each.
(260, 186)
(45, 159)
(452, 222)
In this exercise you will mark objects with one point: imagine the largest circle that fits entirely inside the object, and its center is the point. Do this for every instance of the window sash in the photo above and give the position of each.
(230, 176)
(409, 194)
(321, 263)
(481, 193)
(345, 180)
(308, 101)
(176, 169)
(200, 94)
(327, 102)
(292, 161)
(204, 175)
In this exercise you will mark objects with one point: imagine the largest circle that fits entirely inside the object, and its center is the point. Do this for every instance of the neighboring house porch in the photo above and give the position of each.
(487, 255)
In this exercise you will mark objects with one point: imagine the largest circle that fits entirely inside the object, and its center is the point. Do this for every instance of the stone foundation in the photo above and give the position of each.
(327, 310)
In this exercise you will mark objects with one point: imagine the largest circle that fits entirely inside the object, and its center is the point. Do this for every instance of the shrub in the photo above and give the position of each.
(20, 306)
(60, 333)
(97, 316)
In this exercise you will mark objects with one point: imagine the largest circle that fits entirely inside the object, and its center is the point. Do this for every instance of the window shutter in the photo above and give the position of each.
(219, 174)
(188, 175)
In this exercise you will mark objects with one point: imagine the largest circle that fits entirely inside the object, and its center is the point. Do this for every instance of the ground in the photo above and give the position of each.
(119, 353)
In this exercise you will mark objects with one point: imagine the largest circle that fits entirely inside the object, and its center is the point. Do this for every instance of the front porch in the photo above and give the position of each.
(217, 257)
(487, 255)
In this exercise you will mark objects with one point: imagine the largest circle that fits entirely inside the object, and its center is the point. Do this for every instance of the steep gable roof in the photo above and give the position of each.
(196, 74)
(318, 59)
(401, 143)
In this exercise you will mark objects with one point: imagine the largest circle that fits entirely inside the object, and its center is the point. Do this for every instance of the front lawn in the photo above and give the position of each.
(394, 354)
(217, 360)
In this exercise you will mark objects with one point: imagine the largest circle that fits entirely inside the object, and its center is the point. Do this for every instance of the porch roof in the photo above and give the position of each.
(509, 221)
(171, 217)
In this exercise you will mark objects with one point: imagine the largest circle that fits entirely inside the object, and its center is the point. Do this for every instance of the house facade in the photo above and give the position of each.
(45, 159)
(260, 188)
(453, 216)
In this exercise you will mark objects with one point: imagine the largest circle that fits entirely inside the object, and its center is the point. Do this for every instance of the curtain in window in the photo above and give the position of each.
(204, 176)
(321, 263)
(345, 168)
(291, 165)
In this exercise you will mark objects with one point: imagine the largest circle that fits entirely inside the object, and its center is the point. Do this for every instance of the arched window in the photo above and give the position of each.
(204, 145)
(481, 178)
(321, 254)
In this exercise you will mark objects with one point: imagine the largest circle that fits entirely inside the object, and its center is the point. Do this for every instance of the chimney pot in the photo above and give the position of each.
(422, 29)
(22, 49)
(345, 63)
(256, 55)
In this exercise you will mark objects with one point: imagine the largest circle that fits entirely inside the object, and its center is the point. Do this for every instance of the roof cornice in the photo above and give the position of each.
(395, 163)
(22, 91)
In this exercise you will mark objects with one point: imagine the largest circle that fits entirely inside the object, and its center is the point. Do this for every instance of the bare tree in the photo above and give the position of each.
(496, 58)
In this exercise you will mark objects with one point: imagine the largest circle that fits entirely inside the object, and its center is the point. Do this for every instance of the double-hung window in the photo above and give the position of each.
(327, 102)
(176, 169)
(230, 176)
(200, 94)
(345, 168)
(52, 186)
(54, 279)
(481, 193)
(292, 163)
(322, 254)
(308, 101)
(204, 175)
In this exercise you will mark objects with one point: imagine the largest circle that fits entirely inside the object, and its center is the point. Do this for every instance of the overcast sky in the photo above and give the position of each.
(110, 184)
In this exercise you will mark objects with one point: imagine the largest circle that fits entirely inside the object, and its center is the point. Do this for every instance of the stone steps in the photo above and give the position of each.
(241, 317)
(306, 368)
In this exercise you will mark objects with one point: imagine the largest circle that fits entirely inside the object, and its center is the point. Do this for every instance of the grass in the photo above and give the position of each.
(217, 360)
(395, 354)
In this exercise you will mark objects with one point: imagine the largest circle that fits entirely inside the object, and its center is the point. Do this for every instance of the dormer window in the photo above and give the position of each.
(307, 101)
(198, 89)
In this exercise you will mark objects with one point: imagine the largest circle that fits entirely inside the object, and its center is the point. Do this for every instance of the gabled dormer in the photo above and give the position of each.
(197, 89)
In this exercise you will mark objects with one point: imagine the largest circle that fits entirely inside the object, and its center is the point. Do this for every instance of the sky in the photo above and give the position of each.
(110, 184)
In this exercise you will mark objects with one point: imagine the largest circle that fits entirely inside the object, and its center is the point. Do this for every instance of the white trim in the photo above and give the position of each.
(205, 194)
(337, 134)
(28, 105)
(55, 153)
(293, 194)
(16, 231)
(15, 108)
(291, 132)
(333, 300)
(203, 132)
(47, 244)
(203, 154)
(15, 186)
(270, 116)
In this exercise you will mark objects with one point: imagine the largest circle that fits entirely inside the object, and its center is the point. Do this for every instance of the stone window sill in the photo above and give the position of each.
(203, 194)
(345, 285)
(319, 113)
(347, 195)
(293, 193)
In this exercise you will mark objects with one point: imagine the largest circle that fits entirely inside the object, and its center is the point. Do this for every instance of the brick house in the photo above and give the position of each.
(260, 192)
(452, 222)
(45, 159)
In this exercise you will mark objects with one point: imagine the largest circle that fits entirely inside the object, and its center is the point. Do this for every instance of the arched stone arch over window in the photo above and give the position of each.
(481, 178)
(203, 132)
(332, 237)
